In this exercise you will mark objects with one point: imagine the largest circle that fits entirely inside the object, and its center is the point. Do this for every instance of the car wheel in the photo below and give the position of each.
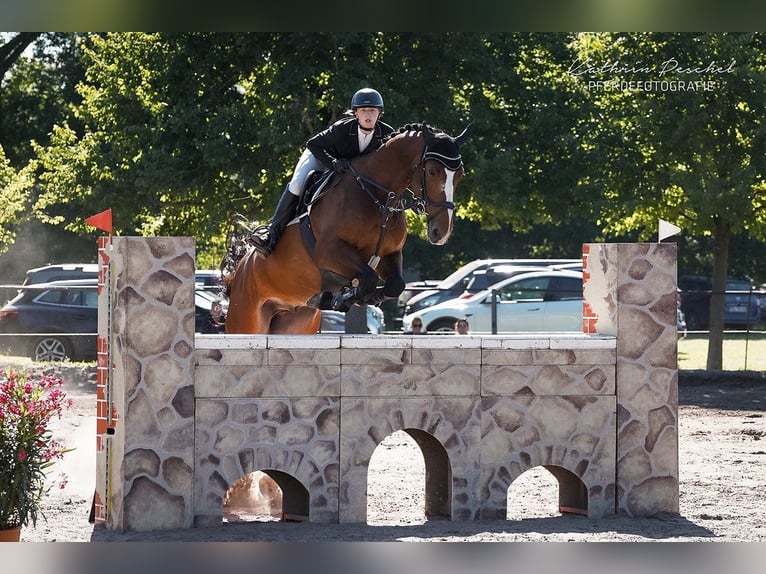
(442, 326)
(50, 348)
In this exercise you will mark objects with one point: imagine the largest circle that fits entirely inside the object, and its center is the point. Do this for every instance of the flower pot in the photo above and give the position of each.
(10, 534)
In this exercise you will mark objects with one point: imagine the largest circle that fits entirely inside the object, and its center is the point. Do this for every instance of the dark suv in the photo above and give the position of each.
(52, 321)
(61, 272)
(742, 306)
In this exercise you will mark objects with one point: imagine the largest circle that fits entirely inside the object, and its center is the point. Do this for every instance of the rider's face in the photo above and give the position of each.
(367, 117)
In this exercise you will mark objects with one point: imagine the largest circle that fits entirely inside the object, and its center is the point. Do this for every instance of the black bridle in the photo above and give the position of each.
(395, 203)
(423, 202)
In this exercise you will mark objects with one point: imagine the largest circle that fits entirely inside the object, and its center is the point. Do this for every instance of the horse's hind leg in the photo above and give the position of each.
(301, 321)
(245, 304)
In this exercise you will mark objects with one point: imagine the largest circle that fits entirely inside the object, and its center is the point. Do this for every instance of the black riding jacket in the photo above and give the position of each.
(341, 140)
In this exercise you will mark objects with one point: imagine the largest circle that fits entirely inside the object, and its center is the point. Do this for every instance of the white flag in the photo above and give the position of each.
(667, 229)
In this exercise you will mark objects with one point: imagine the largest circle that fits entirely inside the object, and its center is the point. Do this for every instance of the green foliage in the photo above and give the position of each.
(14, 193)
(695, 158)
(37, 92)
(180, 131)
(177, 132)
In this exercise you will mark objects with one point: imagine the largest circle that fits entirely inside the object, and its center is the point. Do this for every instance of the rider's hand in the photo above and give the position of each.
(340, 165)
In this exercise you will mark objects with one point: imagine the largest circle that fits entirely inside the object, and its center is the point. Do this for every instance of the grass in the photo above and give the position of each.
(741, 351)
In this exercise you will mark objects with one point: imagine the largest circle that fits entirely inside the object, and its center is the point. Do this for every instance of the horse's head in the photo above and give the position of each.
(441, 171)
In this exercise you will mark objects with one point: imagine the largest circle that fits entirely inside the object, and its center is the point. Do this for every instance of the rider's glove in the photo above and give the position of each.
(340, 165)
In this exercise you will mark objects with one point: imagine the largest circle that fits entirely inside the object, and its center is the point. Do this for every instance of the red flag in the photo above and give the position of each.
(101, 220)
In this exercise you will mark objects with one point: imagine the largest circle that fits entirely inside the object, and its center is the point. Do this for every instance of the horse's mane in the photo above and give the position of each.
(413, 127)
(439, 144)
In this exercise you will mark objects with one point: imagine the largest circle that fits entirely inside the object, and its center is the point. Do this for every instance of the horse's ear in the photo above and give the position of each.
(428, 133)
(463, 136)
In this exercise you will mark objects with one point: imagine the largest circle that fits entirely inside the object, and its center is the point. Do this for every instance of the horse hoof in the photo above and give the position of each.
(322, 301)
(341, 303)
(341, 306)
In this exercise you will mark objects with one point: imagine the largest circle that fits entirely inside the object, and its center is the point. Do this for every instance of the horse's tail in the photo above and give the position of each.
(236, 240)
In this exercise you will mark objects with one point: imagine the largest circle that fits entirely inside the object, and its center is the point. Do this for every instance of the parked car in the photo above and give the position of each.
(455, 284)
(61, 272)
(393, 308)
(58, 320)
(540, 301)
(485, 278)
(52, 321)
(208, 279)
(448, 288)
(742, 303)
(335, 321)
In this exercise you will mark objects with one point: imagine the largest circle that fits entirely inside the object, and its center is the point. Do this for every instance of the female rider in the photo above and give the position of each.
(360, 132)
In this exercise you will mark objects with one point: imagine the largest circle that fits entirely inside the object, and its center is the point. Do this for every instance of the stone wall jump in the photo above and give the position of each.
(186, 417)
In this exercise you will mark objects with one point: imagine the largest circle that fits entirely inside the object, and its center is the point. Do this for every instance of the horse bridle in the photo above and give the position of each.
(422, 202)
(395, 202)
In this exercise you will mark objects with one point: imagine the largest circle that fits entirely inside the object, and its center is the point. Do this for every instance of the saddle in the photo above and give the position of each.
(317, 184)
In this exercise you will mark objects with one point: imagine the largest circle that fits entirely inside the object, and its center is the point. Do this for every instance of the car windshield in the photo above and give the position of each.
(456, 276)
(485, 279)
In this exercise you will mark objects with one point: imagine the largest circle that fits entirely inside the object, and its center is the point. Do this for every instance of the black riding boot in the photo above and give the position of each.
(264, 237)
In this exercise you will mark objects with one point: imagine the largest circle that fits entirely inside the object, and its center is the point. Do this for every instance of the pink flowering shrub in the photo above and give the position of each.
(27, 446)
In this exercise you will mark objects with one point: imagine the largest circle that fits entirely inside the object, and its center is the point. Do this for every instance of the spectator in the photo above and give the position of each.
(416, 328)
(462, 327)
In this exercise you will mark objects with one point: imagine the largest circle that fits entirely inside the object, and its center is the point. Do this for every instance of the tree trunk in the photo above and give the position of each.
(13, 48)
(721, 241)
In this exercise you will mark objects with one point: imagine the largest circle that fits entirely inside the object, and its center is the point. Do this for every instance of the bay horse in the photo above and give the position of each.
(351, 238)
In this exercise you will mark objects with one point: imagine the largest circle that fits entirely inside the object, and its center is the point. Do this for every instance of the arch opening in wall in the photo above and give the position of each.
(544, 491)
(263, 496)
(409, 480)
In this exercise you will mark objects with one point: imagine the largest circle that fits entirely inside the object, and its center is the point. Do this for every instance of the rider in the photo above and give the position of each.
(360, 132)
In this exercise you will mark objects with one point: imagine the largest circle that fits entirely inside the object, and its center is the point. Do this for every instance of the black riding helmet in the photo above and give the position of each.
(367, 98)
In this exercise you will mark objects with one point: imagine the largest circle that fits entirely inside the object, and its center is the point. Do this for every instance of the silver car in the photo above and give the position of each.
(541, 301)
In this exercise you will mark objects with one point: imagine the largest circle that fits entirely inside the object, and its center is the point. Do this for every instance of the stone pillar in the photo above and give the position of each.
(630, 293)
(147, 464)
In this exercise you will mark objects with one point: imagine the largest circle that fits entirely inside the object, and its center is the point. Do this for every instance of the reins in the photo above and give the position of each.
(394, 204)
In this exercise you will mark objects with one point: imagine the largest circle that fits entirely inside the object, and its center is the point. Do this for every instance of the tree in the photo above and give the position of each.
(12, 49)
(37, 90)
(684, 152)
(39, 71)
(14, 199)
(180, 131)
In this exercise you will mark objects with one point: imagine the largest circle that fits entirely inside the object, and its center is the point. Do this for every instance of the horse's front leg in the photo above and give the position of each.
(362, 289)
(390, 270)
(366, 288)
(353, 278)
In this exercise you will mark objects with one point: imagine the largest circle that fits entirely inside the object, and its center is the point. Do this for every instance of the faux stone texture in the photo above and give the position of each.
(637, 284)
(152, 295)
(192, 418)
